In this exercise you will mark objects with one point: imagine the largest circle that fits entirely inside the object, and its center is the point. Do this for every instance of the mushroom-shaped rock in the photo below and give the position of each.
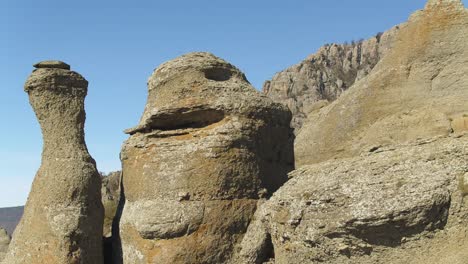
(208, 146)
(63, 217)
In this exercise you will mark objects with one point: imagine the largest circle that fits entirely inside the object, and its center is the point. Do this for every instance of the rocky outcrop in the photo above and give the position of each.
(208, 146)
(4, 242)
(325, 75)
(418, 90)
(382, 171)
(62, 220)
(403, 204)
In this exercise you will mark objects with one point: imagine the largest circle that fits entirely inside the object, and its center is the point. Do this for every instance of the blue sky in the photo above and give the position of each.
(116, 45)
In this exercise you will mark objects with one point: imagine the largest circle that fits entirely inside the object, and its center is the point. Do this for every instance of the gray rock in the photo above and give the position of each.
(394, 205)
(63, 217)
(208, 146)
(52, 64)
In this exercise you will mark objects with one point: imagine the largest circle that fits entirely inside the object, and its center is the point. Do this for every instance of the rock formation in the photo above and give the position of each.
(403, 204)
(62, 220)
(208, 146)
(4, 242)
(382, 171)
(324, 76)
(417, 90)
(110, 193)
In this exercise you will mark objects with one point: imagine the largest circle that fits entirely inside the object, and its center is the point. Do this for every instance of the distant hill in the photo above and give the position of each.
(9, 217)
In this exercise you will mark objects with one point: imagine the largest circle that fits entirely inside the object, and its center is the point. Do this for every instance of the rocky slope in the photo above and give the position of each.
(383, 170)
(324, 76)
(417, 90)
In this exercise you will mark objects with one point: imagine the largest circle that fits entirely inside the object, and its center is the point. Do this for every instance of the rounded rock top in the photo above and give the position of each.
(52, 64)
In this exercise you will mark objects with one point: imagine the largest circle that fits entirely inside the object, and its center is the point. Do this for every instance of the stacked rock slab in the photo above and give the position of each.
(208, 146)
(4, 242)
(419, 89)
(62, 220)
(384, 169)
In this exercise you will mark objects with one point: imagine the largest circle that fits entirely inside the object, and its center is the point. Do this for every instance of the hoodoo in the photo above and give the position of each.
(207, 148)
(63, 217)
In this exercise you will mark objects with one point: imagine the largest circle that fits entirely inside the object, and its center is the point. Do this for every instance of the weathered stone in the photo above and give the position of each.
(63, 217)
(4, 242)
(208, 146)
(325, 75)
(404, 204)
(52, 65)
(418, 90)
(110, 193)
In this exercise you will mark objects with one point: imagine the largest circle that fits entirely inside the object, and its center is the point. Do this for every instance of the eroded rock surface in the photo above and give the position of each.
(110, 193)
(403, 204)
(418, 90)
(62, 220)
(322, 77)
(208, 146)
(4, 242)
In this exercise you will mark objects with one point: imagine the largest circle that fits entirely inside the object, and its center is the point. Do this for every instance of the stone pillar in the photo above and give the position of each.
(63, 217)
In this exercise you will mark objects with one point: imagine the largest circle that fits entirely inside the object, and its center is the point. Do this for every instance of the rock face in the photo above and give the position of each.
(417, 90)
(110, 193)
(208, 146)
(324, 76)
(384, 169)
(4, 242)
(404, 204)
(62, 220)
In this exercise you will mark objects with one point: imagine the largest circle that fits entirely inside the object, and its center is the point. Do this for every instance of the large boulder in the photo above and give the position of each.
(63, 217)
(208, 146)
(418, 90)
(4, 242)
(402, 204)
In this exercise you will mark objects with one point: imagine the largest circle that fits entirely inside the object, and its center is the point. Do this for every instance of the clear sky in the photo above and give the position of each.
(116, 45)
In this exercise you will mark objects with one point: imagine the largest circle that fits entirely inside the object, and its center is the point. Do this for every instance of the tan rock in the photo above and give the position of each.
(62, 220)
(208, 146)
(418, 90)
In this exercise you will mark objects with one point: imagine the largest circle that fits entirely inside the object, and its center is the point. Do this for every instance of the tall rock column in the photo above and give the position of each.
(63, 217)
(207, 148)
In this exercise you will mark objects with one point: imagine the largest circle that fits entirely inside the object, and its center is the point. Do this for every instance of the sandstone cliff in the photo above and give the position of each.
(207, 147)
(325, 75)
(62, 220)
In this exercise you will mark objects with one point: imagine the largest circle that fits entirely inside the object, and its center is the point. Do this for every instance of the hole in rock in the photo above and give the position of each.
(218, 74)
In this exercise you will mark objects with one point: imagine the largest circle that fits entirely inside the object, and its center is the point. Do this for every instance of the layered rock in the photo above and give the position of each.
(404, 204)
(324, 76)
(62, 220)
(4, 242)
(208, 146)
(417, 90)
